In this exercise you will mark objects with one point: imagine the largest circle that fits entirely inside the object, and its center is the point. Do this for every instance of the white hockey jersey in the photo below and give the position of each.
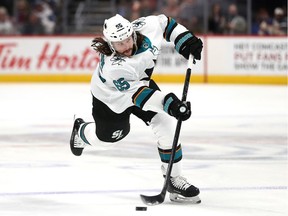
(121, 82)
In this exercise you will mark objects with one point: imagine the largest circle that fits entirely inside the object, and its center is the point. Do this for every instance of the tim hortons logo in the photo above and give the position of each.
(49, 57)
(8, 60)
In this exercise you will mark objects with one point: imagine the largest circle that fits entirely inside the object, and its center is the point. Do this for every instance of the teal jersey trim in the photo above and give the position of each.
(146, 44)
(102, 79)
(143, 97)
(102, 62)
(170, 28)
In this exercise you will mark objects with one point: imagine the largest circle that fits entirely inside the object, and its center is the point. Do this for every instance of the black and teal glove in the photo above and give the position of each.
(174, 107)
(186, 43)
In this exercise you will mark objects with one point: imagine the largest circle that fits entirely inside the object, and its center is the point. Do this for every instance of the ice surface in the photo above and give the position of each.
(234, 147)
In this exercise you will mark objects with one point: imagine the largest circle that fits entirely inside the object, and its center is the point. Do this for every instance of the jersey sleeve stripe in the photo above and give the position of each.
(142, 95)
(169, 29)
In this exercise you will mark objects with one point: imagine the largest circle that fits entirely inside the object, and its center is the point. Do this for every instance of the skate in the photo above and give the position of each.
(182, 191)
(76, 143)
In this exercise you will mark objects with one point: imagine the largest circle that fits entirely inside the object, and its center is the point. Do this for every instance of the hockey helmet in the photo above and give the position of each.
(117, 28)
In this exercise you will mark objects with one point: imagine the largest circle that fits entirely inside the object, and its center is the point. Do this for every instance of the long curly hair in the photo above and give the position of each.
(101, 46)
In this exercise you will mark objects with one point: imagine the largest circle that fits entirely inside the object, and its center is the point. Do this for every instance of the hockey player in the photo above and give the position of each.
(121, 85)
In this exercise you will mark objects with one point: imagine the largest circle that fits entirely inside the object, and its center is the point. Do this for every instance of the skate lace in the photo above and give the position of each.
(180, 183)
(78, 143)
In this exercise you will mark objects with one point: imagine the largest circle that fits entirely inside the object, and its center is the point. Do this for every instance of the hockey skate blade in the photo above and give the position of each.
(188, 200)
(152, 200)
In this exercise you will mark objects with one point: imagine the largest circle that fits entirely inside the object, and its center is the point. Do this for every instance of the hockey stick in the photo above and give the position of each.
(158, 199)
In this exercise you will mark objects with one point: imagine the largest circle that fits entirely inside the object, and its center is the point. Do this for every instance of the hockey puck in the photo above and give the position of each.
(141, 208)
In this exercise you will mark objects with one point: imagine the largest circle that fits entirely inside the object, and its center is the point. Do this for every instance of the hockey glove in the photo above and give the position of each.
(186, 43)
(174, 107)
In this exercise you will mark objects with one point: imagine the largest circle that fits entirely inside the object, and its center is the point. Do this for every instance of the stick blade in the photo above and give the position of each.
(152, 200)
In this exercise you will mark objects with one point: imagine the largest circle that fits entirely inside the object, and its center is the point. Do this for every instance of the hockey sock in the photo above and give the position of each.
(165, 155)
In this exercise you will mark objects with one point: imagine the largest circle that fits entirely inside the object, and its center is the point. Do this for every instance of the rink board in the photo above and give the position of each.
(233, 59)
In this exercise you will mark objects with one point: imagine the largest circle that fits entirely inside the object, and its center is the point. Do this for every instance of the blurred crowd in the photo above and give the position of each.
(29, 17)
(37, 17)
(266, 25)
(224, 16)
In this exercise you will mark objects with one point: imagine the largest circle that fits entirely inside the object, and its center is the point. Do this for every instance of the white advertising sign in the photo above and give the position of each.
(247, 55)
(171, 62)
(50, 55)
(70, 55)
(73, 55)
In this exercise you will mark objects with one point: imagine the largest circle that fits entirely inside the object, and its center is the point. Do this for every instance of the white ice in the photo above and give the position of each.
(234, 146)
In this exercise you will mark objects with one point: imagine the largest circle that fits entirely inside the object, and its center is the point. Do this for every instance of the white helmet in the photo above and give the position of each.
(117, 28)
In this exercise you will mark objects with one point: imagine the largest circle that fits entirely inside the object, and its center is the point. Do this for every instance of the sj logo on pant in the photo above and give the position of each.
(117, 134)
